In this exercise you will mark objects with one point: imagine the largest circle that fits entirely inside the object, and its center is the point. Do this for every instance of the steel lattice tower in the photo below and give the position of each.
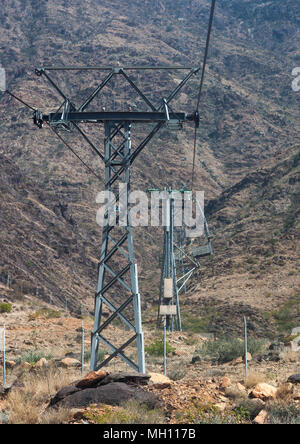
(177, 265)
(117, 288)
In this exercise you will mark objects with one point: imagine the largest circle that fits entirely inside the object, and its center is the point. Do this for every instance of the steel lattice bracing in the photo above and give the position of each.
(117, 265)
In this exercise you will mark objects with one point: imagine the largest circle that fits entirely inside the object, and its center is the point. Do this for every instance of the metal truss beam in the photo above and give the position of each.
(101, 117)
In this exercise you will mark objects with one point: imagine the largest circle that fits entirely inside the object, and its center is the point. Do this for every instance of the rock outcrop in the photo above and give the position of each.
(103, 388)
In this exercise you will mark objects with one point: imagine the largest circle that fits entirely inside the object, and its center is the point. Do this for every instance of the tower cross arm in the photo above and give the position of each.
(102, 117)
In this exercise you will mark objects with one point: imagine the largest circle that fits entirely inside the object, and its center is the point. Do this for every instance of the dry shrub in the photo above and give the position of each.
(253, 379)
(289, 356)
(56, 416)
(284, 392)
(283, 413)
(22, 408)
(26, 404)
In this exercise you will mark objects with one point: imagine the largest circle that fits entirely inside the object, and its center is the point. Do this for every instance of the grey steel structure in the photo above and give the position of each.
(177, 264)
(168, 271)
(117, 288)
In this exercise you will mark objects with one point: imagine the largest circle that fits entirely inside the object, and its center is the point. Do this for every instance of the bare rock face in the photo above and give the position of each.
(114, 393)
(63, 393)
(102, 388)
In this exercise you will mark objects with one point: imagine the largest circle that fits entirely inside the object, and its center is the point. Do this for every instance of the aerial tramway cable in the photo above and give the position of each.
(212, 10)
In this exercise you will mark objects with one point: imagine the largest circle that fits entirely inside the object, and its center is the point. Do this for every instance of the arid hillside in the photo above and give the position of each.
(247, 155)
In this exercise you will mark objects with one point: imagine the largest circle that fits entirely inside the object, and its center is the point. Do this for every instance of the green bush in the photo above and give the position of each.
(87, 355)
(287, 315)
(47, 313)
(157, 348)
(130, 412)
(227, 349)
(33, 356)
(197, 412)
(247, 409)
(5, 307)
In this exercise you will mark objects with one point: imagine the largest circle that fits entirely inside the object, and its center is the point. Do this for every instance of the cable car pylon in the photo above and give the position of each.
(178, 265)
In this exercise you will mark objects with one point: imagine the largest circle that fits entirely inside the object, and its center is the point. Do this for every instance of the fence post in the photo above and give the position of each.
(246, 348)
(82, 348)
(165, 345)
(4, 362)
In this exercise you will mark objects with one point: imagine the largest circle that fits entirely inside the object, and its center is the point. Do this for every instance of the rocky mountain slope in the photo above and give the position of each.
(247, 154)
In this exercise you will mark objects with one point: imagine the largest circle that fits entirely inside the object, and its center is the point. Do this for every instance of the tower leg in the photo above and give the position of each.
(117, 289)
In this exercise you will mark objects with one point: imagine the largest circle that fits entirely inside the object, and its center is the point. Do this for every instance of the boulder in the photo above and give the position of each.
(241, 359)
(240, 387)
(24, 366)
(157, 378)
(8, 364)
(63, 393)
(195, 359)
(271, 356)
(237, 361)
(102, 388)
(294, 379)
(4, 419)
(261, 417)
(41, 364)
(134, 378)
(221, 406)
(70, 362)
(249, 357)
(264, 391)
(92, 379)
(225, 382)
(114, 393)
(4, 390)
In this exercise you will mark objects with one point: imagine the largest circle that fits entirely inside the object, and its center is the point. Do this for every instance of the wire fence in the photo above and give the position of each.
(22, 287)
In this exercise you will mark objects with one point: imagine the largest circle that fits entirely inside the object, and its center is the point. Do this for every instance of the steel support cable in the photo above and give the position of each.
(212, 10)
(65, 143)
(19, 100)
(75, 154)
